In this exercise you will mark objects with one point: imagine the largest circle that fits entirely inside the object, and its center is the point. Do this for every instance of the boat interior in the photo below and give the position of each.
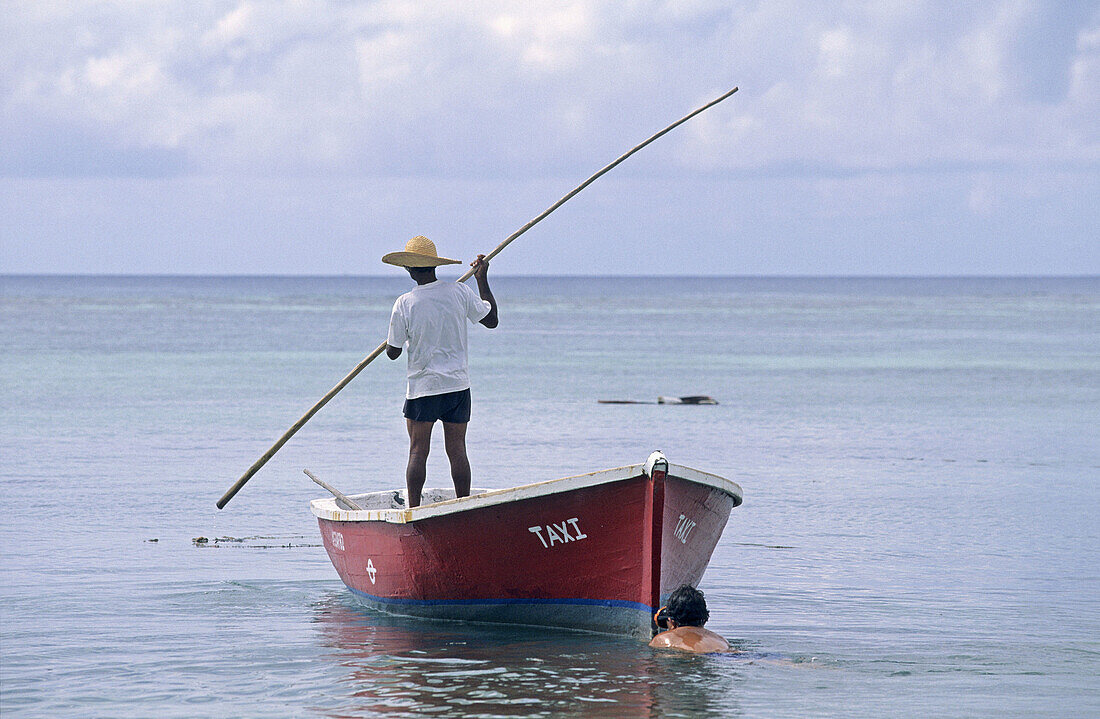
(399, 498)
(392, 506)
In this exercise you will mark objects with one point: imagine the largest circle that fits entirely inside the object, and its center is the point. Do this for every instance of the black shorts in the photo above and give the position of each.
(452, 407)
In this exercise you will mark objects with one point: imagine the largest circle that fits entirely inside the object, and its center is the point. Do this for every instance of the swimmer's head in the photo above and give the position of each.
(687, 607)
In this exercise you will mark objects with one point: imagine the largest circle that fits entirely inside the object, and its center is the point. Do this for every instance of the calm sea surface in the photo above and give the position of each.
(920, 459)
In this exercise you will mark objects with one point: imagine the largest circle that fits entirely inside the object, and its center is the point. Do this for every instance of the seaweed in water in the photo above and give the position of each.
(256, 542)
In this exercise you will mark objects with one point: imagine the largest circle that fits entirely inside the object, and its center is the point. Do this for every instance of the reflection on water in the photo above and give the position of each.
(398, 666)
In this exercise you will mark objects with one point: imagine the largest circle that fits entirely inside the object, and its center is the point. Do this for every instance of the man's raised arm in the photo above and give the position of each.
(481, 274)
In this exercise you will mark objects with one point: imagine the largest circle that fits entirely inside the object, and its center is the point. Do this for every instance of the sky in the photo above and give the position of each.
(898, 137)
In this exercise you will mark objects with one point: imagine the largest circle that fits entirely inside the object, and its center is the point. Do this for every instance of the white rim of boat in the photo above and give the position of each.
(326, 508)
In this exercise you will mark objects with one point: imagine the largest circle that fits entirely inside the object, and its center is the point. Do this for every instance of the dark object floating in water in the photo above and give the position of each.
(764, 546)
(692, 399)
(251, 542)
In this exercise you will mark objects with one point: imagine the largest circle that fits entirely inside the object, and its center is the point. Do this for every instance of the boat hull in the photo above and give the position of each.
(597, 557)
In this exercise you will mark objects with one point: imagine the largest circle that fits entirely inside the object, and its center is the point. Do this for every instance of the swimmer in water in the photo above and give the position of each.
(684, 616)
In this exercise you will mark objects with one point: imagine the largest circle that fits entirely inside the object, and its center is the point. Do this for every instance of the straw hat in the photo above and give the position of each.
(419, 252)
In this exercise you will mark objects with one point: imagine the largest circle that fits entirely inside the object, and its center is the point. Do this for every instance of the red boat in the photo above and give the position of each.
(597, 552)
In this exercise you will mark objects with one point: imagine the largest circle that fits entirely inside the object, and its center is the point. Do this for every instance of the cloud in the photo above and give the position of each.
(920, 88)
(491, 88)
(54, 149)
(1043, 46)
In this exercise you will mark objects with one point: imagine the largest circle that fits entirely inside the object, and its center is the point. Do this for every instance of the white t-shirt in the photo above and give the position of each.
(431, 319)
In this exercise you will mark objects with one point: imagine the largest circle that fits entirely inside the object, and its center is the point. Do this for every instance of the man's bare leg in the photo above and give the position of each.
(420, 441)
(454, 438)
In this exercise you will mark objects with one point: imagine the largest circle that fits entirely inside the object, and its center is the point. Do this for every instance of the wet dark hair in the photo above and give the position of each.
(687, 606)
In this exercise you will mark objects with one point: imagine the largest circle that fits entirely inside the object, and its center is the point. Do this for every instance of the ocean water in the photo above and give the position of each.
(920, 460)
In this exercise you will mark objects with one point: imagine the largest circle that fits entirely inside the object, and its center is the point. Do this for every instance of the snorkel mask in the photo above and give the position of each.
(661, 618)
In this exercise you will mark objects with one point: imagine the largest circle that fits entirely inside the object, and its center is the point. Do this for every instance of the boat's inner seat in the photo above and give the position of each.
(398, 498)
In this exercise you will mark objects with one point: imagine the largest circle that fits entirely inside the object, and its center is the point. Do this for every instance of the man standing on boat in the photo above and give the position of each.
(431, 320)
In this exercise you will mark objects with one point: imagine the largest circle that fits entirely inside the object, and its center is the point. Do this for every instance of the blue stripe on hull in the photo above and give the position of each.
(585, 602)
(594, 615)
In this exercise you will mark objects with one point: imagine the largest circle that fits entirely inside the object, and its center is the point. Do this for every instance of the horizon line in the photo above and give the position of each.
(196, 275)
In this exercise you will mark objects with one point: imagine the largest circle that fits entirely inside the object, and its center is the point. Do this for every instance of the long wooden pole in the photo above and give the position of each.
(469, 273)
